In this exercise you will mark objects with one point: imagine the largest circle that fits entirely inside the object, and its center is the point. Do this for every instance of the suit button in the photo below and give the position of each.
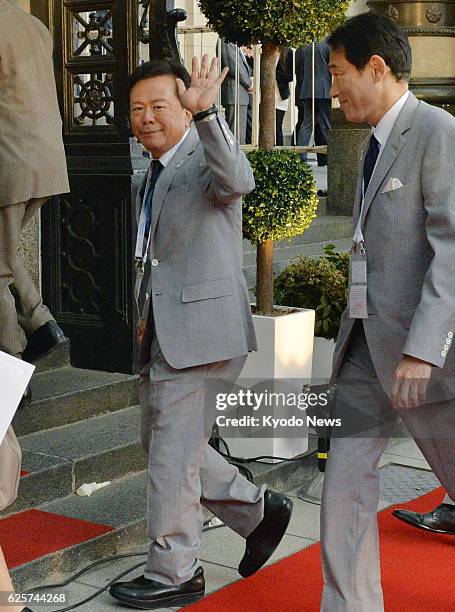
(449, 334)
(154, 262)
(449, 341)
(443, 354)
(446, 347)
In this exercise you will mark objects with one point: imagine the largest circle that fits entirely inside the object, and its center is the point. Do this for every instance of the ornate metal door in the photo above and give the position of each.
(87, 235)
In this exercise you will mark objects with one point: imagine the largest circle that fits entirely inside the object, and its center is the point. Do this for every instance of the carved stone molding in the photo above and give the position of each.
(419, 18)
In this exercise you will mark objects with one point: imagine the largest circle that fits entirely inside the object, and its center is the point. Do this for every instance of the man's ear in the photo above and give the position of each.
(188, 118)
(379, 67)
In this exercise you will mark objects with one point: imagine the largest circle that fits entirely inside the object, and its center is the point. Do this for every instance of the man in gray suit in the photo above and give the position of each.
(305, 75)
(228, 87)
(199, 328)
(398, 328)
(32, 168)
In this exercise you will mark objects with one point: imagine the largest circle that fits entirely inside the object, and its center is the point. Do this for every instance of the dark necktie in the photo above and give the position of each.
(370, 162)
(155, 170)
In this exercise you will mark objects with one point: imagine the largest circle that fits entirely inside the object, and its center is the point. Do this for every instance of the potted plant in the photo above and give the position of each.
(283, 205)
(285, 342)
(321, 284)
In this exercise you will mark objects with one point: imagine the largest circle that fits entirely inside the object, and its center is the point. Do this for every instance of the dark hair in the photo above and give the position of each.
(370, 34)
(155, 68)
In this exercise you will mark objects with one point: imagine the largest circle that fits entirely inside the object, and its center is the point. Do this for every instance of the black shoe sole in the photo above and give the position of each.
(423, 527)
(249, 571)
(166, 602)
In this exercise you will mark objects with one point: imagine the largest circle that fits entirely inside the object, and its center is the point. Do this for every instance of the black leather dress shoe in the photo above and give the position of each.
(150, 595)
(262, 542)
(43, 341)
(439, 520)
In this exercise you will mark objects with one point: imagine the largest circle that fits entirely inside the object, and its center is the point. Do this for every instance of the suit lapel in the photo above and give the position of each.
(394, 144)
(167, 175)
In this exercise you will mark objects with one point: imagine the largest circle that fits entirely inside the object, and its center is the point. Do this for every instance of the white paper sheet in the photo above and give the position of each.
(14, 378)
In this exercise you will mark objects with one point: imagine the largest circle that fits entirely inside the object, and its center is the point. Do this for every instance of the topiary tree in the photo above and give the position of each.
(283, 204)
(271, 23)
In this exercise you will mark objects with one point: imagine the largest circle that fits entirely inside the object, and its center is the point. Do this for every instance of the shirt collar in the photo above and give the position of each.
(166, 157)
(382, 130)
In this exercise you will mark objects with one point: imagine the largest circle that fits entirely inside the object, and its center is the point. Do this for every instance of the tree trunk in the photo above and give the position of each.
(264, 257)
(264, 277)
(267, 104)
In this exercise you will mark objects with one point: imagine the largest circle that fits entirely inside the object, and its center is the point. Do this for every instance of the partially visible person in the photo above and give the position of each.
(6, 586)
(229, 99)
(10, 466)
(439, 520)
(393, 355)
(32, 168)
(284, 76)
(304, 95)
(249, 56)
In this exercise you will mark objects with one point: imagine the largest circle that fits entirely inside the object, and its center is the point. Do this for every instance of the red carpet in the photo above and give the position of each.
(31, 534)
(418, 573)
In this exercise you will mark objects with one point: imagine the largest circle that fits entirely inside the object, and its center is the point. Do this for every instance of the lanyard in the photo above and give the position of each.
(141, 254)
(358, 235)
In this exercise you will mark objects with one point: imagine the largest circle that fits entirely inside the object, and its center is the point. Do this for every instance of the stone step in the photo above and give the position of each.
(284, 255)
(322, 229)
(121, 508)
(59, 358)
(322, 206)
(99, 449)
(67, 395)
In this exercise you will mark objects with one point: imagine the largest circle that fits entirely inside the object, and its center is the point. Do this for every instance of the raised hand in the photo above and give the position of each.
(204, 87)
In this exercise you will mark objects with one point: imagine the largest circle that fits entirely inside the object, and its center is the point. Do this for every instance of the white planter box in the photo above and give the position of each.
(323, 350)
(285, 352)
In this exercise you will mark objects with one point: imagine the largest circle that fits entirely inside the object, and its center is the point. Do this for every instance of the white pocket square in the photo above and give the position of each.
(393, 183)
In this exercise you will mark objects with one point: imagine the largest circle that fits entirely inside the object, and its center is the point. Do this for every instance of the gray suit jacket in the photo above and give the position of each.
(200, 300)
(228, 58)
(32, 157)
(304, 71)
(410, 241)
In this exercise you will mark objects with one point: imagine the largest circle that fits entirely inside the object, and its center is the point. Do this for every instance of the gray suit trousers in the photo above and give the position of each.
(20, 301)
(184, 471)
(349, 531)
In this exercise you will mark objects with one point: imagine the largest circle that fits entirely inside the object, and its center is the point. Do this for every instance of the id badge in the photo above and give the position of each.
(358, 285)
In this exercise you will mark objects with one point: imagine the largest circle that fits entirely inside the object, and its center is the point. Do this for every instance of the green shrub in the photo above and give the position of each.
(341, 260)
(285, 200)
(320, 284)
